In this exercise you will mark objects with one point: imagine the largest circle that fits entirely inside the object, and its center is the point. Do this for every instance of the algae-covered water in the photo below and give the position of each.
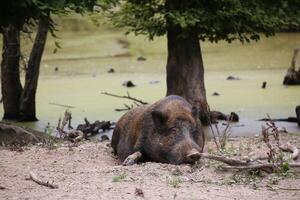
(88, 53)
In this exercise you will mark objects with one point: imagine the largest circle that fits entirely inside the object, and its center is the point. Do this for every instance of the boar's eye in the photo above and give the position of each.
(173, 130)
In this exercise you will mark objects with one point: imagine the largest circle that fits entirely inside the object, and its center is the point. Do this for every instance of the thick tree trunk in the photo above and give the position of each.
(27, 106)
(10, 77)
(185, 72)
(292, 76)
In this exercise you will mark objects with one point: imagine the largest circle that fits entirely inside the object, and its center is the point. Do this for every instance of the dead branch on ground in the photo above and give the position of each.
(275, 158)
(83, 131)
(229, 161)
(265, 166)
(42, 182)
(90, 129)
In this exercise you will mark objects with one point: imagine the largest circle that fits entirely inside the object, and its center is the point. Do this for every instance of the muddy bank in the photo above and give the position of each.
(90, 171)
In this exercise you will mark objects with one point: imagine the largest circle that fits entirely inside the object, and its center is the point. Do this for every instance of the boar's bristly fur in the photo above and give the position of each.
(167, 131)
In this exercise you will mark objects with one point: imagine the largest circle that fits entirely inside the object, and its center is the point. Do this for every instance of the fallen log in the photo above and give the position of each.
(42, 182)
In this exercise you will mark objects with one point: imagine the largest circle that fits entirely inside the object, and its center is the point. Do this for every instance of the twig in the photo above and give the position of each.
(211, 128)
(125, 97)
(259, 166)
(87, 121)
(121, 109)
(41, 182)
(291, 189)
(61, 105)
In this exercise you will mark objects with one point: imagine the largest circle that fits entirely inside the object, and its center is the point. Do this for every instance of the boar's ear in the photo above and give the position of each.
(195, 112)
(159, 118)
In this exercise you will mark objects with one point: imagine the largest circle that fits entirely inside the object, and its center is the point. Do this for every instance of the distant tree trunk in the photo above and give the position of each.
(292, 76)
(27, 105)
(185, 72)
(10, 74)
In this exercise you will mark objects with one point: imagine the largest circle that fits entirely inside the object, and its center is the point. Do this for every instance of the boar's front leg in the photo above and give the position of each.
(132, 159)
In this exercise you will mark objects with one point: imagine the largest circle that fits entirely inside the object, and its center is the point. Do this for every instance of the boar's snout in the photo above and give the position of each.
(193, 155)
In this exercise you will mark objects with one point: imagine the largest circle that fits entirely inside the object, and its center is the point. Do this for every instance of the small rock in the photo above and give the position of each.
(233, 117)
(111, 70)
(215, 94)
(264, 84)
(231, 78)
(2, 188)
(141, 58)
(104, 138)
(128, 84)
(139, 192)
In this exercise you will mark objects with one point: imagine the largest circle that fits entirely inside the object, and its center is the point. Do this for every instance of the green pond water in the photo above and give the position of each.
(86, 56)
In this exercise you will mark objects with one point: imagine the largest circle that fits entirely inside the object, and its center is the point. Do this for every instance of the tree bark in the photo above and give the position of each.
(292, 76)
(10, 74)
(27, 105)
(185, 71)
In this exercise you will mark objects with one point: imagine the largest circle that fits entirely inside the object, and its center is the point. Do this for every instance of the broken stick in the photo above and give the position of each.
(126, 97)
(41, 182)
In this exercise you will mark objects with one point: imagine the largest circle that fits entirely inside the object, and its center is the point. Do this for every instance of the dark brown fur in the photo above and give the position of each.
(165, 131)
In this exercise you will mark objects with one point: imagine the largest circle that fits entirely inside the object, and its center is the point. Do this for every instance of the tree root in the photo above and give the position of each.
(17, 130)
(41, 182)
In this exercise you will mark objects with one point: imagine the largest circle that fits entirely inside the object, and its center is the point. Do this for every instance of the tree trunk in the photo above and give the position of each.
(185, 72)
(10, 74)
(27, 106)
(292, 76)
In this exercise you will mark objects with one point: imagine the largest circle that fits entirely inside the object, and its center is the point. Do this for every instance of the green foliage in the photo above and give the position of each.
(213, 20)
(174, 182)
(17, 12)
(120, 177)
(24, 14)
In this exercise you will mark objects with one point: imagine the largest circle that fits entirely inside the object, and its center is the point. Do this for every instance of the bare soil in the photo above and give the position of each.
(91, 171)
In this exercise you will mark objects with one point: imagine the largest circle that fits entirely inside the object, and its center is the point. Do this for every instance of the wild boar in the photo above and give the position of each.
(168, 131)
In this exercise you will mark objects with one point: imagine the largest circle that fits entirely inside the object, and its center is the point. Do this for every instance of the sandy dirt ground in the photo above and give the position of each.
(91, 171)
